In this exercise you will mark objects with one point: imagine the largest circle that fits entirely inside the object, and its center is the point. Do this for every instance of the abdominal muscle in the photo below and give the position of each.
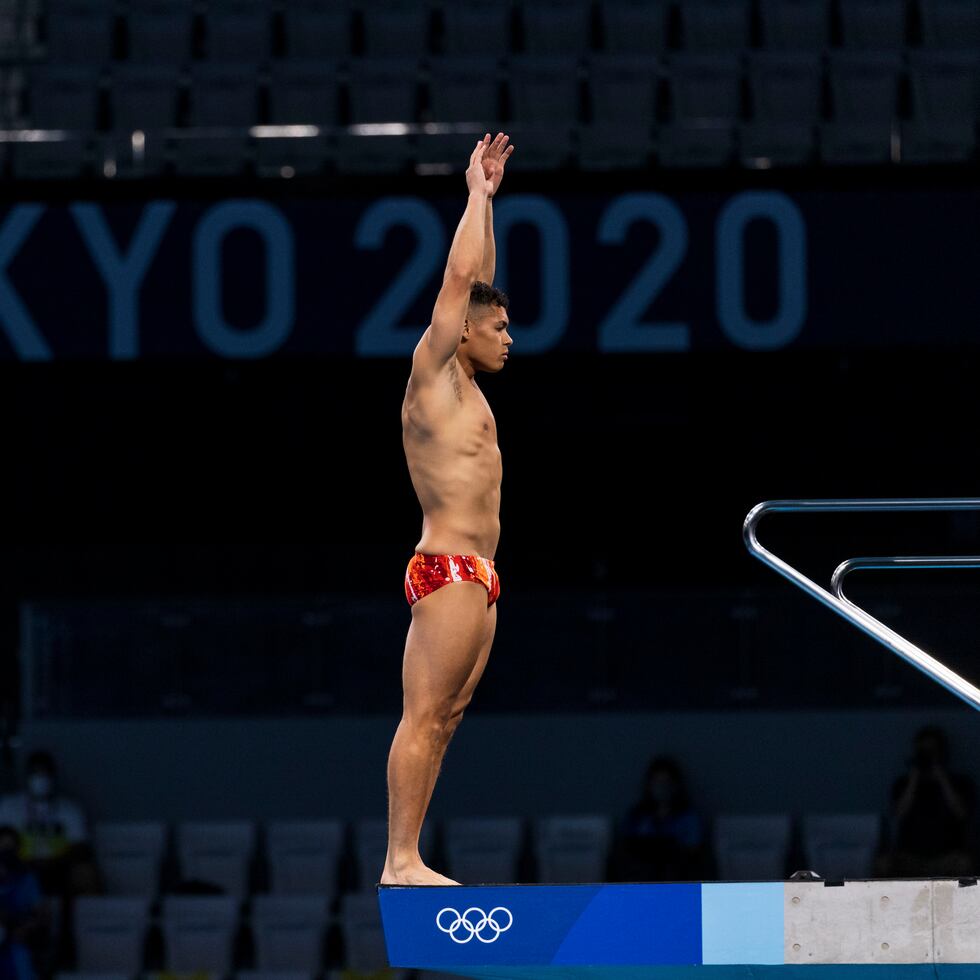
(455, 466)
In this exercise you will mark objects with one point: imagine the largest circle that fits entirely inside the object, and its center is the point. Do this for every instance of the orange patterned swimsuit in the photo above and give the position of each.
(426, 573)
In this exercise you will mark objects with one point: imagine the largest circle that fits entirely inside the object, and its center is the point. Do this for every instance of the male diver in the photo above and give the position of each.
(450, 440)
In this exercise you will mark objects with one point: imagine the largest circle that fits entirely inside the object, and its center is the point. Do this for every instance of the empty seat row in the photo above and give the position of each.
(780, 87)
(332, 974)
(834, 845)
(200, 932)
(303, 856)
(602, 147)
(165, 30)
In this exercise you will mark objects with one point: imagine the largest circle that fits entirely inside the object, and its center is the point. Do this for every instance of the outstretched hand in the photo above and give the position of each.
(495, 156)
(476, 179)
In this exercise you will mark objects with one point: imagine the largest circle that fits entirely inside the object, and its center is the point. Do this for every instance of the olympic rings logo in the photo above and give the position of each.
(478, 928)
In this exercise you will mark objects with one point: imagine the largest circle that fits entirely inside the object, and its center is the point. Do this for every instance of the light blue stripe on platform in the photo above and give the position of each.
(742, 922)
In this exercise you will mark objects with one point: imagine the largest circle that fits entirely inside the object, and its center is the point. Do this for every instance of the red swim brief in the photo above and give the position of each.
(426, 573)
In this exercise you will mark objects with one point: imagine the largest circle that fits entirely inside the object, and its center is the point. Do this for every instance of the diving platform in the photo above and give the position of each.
(815, 930)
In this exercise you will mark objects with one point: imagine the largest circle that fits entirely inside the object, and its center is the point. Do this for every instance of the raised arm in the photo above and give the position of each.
(463, 268)
(489, 248)
(496, 155)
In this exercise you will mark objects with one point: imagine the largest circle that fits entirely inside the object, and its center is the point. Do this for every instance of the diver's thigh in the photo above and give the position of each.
(445, 638)
(481, 661)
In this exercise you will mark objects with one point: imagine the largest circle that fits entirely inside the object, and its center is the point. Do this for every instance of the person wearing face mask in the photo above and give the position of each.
(53, 833)
(23, 911)
(931, 815)
(662, 836)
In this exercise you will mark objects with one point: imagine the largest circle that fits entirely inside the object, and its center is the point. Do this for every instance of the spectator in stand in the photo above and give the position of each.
(930, 815)
(53, 833)
(662, 837)
(23, 912)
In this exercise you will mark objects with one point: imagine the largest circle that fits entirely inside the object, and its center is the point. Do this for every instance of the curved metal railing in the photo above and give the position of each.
(843, 606)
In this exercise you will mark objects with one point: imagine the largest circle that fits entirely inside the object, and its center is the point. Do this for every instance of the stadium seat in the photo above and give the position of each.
(541, 146)
(288, 931)
(376, 154)
(715, 25)
(603, 147)
(303, 92)
(238, 31)
(12, 88)
(751, 847)
(210, 155)
(841, 845)
(317, 30)
(765, 144)
(216, 851)
(707, 143)
(479, 27)
(393, 28)
(483, 850)
(159, 31)
(81, 975)
(634, 26)
(464, 88)
(198, 932)
(873, 24)
(557, 26)
(572, 848)
(144, 96)
(786, 87)
(944, 141)
(945, 84)
(705, 86)
(129, 854)
(79, 31)
(445, 153)
(50, 159)
(544, 88)
(950, 23)
(795, 25)
(223, 95)
(360, 925)
(63, 96)
(384, 90)
(18, 36)
(272, 975)
(857, 143)
(285, 156)
(10, 35)
(623, 88)
(864, 85)
(371, 838)
(109, 933)
(303, 855)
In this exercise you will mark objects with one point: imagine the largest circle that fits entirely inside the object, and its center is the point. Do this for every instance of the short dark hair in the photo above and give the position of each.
(483, 294)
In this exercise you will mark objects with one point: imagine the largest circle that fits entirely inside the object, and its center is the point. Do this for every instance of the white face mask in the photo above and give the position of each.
(39, 784)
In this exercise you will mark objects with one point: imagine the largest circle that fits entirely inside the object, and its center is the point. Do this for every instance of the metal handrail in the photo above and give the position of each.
(893, 641)
(854, 564)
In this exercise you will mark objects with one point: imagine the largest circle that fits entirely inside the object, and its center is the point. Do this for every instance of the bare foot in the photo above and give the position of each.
(415, 875)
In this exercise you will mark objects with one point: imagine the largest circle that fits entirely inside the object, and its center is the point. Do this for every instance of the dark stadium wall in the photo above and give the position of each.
(750, 762)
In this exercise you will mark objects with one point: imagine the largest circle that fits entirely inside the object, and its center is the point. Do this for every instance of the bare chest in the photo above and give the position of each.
(459, 419)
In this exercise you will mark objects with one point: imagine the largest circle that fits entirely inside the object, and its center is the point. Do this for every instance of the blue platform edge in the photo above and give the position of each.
(639, 931)
(815, 971)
